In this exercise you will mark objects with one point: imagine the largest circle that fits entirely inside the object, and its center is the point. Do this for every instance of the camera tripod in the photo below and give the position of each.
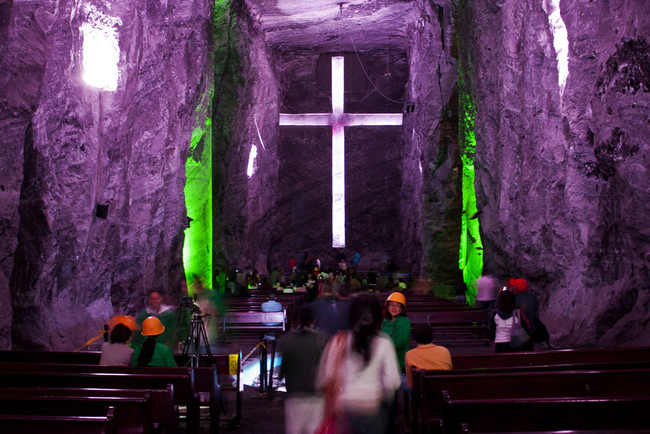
(196, 337)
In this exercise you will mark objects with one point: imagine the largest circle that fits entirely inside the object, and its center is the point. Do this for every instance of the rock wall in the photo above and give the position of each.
(562, 169)
(73, 147)
(431, 194)
(249, 201)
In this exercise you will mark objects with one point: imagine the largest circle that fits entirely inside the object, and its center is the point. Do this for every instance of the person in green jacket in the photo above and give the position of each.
(397, 325)
(152, 352)
(155, 306)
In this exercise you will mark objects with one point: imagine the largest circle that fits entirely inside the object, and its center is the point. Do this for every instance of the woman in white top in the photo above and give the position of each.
(361, 365)
(117, 352)
(501, 322)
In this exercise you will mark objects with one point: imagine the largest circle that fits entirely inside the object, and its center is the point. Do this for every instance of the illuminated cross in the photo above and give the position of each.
(338, 120)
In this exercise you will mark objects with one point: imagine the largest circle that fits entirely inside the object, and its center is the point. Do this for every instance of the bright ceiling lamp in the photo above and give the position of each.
(100, 50)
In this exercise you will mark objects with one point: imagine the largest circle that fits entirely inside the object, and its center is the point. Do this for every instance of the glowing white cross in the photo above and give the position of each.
(338, 120)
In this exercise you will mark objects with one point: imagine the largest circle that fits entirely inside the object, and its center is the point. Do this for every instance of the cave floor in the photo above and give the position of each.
(265, 413)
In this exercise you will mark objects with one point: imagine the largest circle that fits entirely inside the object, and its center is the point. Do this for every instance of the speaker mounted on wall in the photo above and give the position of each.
(101, 210)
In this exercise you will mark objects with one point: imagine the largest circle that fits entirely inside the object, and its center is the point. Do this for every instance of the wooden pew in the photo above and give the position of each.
(69, 357)
(163, 412)
(205, 382)
(255, 320)
(430, 388)
(20, 423)
(455, 327)
(517, 415)
(228, 369)
(133, 413)
(53, 375)
(586, 355)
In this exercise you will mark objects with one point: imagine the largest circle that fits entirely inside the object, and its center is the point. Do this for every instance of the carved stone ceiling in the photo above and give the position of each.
(331, 24)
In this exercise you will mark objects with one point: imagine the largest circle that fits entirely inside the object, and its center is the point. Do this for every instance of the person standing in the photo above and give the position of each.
(155, 306)
(486, 294)
(301, 350)
(527, 304)
(501, 322)
(359, 370)
(397, 325)
(356, 258)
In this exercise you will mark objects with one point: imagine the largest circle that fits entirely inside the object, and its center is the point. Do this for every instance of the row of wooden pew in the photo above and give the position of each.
(587, 390)
(75, 394)
(453, 324)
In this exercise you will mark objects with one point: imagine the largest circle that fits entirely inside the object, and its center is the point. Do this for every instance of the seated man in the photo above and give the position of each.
(271, 306)
(426, 355)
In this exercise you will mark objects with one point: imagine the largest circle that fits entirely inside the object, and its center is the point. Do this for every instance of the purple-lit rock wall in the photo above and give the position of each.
(431, 194)
(71, 146)
(563, 179)
(248, 206)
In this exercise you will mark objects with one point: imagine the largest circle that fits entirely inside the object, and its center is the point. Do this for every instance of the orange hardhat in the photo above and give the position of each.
(152, 326)
(127, 320)
(397, 297)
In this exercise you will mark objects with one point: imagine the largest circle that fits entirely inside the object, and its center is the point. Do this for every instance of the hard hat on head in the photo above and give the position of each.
(397, 297)
(518, 285)
(152, 326)
(126, 320)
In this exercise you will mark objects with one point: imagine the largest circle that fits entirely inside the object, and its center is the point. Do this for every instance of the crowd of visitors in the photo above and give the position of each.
(349, 357)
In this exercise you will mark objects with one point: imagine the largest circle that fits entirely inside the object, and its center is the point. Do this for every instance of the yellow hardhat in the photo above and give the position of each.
(127, 320)
(152, 326)
(397, 297)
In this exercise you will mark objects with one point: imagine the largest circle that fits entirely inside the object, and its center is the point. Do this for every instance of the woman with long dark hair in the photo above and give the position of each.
(152, 352)
(360, 368)
(117, 352)
(501, 322)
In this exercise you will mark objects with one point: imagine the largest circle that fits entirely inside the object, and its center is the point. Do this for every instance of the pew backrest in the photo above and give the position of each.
(603, 414)
(34, 424)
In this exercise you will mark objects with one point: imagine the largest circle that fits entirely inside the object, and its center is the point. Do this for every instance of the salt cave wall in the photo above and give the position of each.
(431, 188)
(67, 146)
(563, 170)
(245, 204)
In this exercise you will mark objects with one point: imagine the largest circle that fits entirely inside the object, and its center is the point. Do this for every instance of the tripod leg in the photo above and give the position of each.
(206, 342)
(262, 364)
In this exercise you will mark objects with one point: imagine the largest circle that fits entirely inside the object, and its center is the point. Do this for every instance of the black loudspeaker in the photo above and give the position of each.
(101, 211)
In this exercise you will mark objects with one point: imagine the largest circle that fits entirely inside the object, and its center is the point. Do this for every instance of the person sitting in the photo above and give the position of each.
(152, 352)
(271, 305)
(117, 352)
(426, 355)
